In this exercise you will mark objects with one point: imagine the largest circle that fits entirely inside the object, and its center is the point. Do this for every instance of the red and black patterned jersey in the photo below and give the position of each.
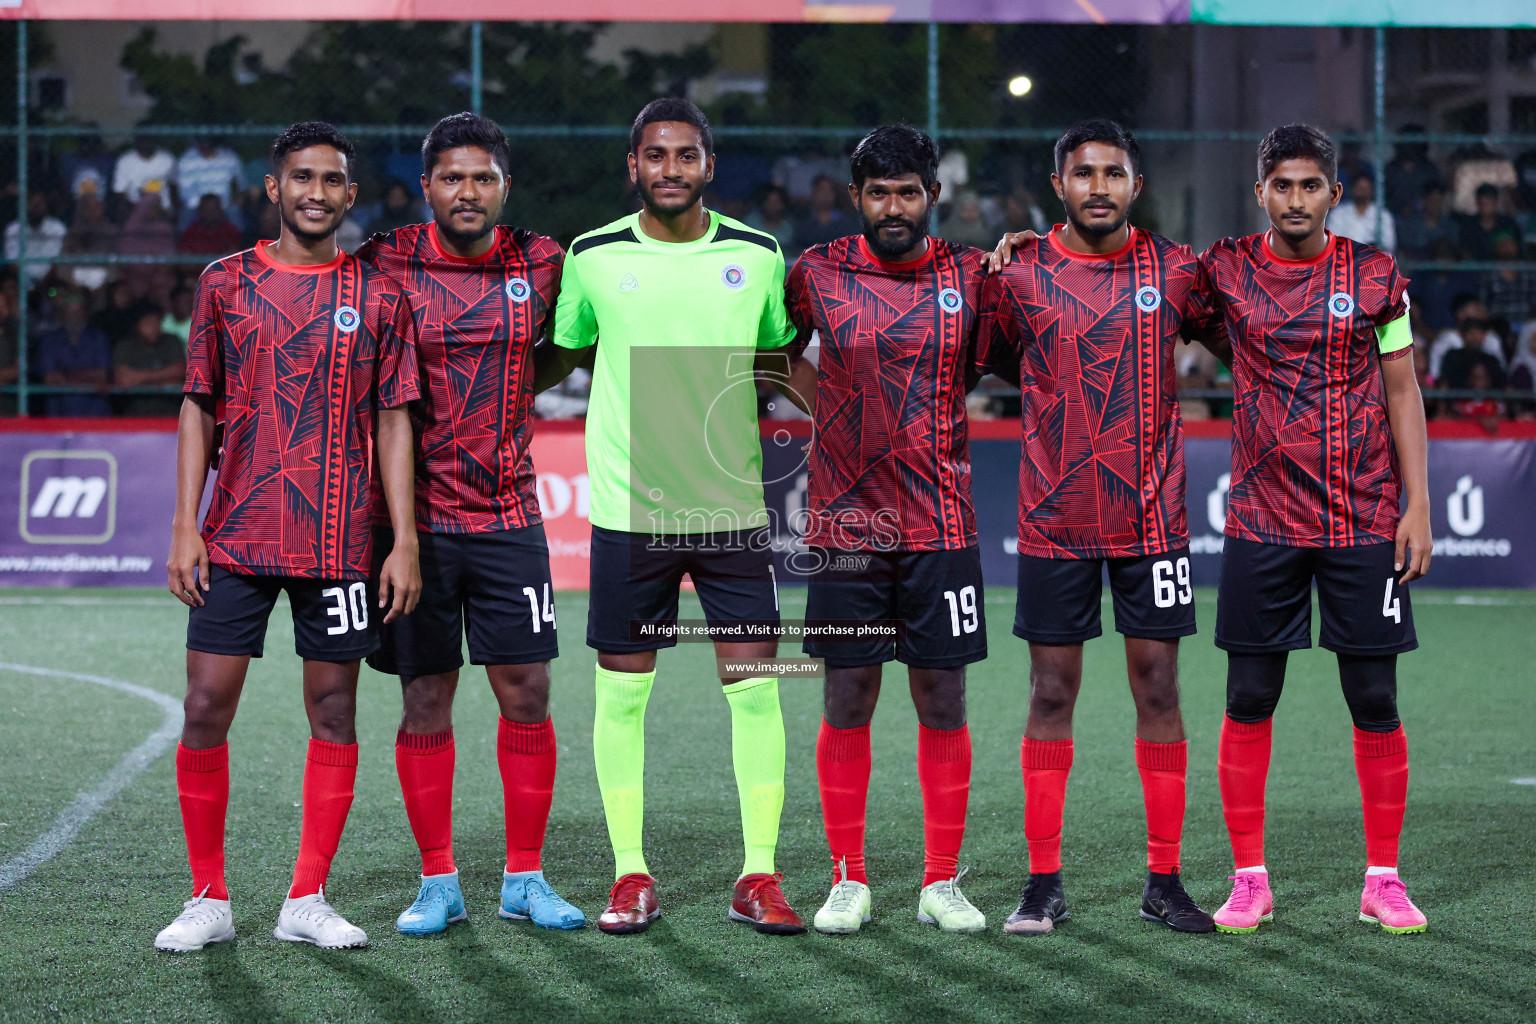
(890, 465)
(302, 359)
(1313, 463)
(477, 321)
(1101, 473)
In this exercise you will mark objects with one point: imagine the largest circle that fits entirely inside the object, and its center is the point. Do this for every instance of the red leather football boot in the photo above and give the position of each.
(632, 905)
(760, 902)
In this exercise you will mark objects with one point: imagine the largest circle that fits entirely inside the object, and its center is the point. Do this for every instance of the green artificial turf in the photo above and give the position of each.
(76, 937)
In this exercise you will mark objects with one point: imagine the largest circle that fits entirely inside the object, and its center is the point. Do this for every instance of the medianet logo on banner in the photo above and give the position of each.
(1464, 515)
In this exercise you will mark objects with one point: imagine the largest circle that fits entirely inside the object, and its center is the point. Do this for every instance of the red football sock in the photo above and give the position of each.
(202, 783)
(944, 773)
(1242, 765)
(842, 773)
(1046, 765)
(329, 775)
(1381, 760)
(425, 766)
(526, 756)
(1162, 767)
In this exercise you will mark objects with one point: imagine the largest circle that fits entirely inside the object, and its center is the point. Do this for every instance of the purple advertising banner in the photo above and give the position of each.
(94, 509)
(86, 510)
(1481, 498)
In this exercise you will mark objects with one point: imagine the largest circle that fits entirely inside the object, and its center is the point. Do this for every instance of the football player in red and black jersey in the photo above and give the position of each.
(1329, 484)
(1085, 321)
(891, 531)
(483, 293)
(311, 356)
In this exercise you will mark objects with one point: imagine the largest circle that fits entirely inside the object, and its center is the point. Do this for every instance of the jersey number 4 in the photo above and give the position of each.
(548, 615)
(1391, 607)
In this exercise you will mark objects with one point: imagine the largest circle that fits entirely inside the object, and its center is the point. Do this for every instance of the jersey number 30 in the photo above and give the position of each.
(355, 596)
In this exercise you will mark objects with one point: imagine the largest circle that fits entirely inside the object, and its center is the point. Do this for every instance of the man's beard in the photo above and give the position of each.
(916, 231)
(303, 231)
(465, 239)
(678, 205)
(1101, 228)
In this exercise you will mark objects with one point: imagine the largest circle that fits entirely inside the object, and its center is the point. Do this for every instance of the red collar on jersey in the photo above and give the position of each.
(1328, 247)
(296, 268)
(450, 257)
(1090, 257)
(899, 268)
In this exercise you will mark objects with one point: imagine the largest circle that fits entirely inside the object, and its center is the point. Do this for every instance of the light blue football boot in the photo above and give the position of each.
(438, 905)
(525, 896)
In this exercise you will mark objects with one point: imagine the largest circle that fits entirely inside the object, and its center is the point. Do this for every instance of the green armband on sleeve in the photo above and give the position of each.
(1395, 336)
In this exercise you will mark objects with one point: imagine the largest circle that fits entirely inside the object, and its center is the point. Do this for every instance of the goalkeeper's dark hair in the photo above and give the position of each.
(1098, 129)
(672, 108)
(1298, 142)
(893, 150)
(465, 129)
(304, 134)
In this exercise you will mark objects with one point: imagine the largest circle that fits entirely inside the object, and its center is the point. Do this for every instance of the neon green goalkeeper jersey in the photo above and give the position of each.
(672, 439)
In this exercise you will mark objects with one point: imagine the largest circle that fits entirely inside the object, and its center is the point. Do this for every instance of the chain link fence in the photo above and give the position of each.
(121, 132)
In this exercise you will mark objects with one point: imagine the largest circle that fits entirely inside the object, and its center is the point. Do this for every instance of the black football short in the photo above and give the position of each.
(635, 581)
(494, 586)
(936, 597)
(1264, 604)
(1059, 598)
(333, 620)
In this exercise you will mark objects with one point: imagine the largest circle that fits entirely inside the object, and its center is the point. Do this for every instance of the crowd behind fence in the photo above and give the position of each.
(107, 227)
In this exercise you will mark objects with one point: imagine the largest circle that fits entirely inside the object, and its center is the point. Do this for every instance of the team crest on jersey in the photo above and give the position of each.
(733, 276)
(627, 283)
(518, 289)
(949, 300)
(1148, 298)
(1341, 304)
(346, 319)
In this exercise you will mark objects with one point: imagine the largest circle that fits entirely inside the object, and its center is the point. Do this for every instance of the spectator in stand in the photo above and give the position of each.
(797, 174)
(1510, 292)
(1478, 231)
(115, 319)
(178, 319)
(74, 354)
(1456, 352)
(1408, 176)
(398, 209)
(1361, 219)
(90, 234)
(211, 234)
(825, 222)
(1420, 232)
(967, 226)
(148, 357)
(1477, 166)
(148, 231)
(1522, 369)
(1022, 213)
(771, 215)
(45, 237)
(1488, 411)
(208, 169)
(146, 167)
(1352, 166)
(1422, 375)
(88, 170)
(9, 365)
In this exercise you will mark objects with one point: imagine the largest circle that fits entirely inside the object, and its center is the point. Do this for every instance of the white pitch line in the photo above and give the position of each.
(86, 806)
(1524, 782)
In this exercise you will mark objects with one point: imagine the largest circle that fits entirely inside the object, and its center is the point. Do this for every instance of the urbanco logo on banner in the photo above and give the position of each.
(559, 495)
(1216, 517)
(1464, 512)
(68, 497)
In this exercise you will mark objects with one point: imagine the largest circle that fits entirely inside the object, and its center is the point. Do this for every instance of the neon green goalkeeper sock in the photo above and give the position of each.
(757, 752)
(618, 751)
